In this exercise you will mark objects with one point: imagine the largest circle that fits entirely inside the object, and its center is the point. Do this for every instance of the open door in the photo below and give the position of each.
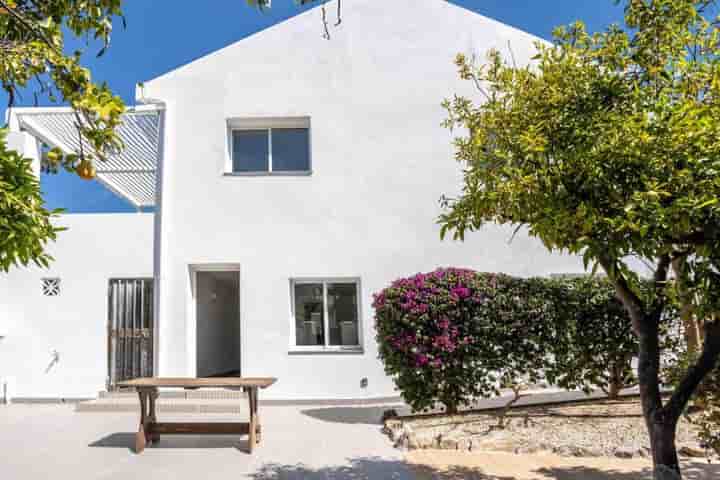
(217, 303)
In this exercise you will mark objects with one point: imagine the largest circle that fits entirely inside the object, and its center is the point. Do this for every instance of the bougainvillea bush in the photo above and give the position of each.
(453, 335)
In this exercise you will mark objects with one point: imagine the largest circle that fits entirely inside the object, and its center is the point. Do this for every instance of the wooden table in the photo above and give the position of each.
(150, 429)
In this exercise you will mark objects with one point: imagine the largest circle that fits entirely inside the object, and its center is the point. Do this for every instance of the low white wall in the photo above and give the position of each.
(94, 249)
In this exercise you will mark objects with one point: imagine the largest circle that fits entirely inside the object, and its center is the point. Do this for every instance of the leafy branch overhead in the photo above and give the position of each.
(32, 49)
(264, 4)
(25, 224)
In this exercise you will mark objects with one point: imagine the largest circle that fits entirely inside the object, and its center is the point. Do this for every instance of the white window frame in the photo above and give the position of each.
(268, 124)
(326, 348)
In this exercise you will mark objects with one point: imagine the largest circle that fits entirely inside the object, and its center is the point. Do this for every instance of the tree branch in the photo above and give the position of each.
(631, 301)
(705, 363)
(29, 25)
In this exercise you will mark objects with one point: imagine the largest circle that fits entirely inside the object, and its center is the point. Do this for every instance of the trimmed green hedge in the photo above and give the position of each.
(454, 335)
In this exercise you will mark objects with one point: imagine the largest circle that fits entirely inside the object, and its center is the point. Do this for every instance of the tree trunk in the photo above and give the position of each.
(660, 425)
(614, 390)
(664, 452)
(661, 420)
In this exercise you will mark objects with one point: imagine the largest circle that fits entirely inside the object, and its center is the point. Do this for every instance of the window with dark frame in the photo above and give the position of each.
(326, 313)
(271, 150)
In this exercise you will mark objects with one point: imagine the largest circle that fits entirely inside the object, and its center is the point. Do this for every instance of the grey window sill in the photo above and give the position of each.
(311, 350)
(301, 173)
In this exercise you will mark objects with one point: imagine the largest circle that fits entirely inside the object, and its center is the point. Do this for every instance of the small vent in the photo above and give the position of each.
(51, 287)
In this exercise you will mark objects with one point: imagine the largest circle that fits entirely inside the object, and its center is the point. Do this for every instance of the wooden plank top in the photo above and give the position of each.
(191, 383)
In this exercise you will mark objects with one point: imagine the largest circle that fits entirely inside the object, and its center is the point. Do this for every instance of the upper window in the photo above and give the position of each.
(326, 314)
(270, 146)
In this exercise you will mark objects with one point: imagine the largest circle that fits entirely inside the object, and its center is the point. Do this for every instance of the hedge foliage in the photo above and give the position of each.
(454, 335)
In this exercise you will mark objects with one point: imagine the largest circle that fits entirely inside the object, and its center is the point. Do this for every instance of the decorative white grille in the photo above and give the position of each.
(51, 287)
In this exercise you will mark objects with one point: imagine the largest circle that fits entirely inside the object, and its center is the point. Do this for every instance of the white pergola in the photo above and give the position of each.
(129, 173)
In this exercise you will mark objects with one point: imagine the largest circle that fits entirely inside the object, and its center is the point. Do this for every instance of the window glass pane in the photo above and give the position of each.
(250, 150)
(342, 314)
(290, 149)
(309, 314)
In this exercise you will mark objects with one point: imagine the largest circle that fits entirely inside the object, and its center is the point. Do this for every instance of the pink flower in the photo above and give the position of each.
(444, 342)
(460, 292)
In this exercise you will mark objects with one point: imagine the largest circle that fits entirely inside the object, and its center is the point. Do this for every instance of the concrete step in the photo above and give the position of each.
(164, 405)
(170, 401)
(200, 394)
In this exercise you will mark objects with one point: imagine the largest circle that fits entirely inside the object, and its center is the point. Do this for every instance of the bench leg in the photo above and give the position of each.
(258, 425)
(140, 436)
(253, 426)
(154, 437)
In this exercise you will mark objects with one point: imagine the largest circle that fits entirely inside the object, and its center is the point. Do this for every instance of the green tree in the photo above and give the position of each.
(608, 146)
(24, 222)
(32, 37)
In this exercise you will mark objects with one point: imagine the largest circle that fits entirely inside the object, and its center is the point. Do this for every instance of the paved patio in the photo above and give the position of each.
(38, 441)
(300, 442)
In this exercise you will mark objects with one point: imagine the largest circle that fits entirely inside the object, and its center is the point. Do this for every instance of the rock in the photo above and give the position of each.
(448, 444)
(424, 442)
(644, 452)
(688, 451)
(593, 452)
(464, 444)
(569, 451)
(389, 414)
(624, 452)
(393, 429)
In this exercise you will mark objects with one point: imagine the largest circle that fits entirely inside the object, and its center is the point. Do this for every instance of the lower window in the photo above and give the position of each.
(326, 313)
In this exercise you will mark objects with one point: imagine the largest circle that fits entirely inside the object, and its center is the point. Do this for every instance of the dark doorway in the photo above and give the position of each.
(218, 323)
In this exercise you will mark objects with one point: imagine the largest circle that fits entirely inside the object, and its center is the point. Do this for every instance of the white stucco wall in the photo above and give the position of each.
(94, 249)
(380, 161)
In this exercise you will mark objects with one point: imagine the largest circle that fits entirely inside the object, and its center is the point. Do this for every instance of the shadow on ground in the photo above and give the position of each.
(370, 468)
(690, 472)
(127, 440)
(377, 468)
(353, 415)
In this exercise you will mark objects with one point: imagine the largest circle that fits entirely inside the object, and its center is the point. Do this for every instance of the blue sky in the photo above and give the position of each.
(164, 34)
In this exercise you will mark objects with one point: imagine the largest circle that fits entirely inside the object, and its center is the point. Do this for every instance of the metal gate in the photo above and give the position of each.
(130, 329)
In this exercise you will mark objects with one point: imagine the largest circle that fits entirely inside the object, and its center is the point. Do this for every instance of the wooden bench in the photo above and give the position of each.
(150, 429)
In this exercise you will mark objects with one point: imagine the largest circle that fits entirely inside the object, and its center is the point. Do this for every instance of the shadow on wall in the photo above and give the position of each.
(353, 415)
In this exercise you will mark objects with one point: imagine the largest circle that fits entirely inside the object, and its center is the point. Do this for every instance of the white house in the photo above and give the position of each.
(292, 177)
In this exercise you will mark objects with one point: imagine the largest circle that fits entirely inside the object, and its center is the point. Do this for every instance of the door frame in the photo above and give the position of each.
(191, 324)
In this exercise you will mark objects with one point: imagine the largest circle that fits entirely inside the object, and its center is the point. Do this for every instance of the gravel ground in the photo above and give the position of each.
(589, 429)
